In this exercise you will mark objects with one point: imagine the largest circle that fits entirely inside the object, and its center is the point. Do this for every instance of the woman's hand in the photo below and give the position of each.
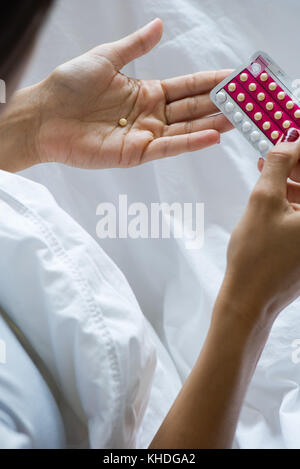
(72, 117)
(264, 251)
(82, 101)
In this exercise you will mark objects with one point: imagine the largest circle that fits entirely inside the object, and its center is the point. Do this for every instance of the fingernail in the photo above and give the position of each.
(291, 136)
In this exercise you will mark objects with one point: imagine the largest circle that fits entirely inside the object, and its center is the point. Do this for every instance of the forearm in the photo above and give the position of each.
(206, 412)
(18, 130)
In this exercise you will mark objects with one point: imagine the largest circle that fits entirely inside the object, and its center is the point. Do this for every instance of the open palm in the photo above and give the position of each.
(86, 98)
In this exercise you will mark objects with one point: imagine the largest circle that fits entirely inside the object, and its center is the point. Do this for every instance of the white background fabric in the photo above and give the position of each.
(176, 288)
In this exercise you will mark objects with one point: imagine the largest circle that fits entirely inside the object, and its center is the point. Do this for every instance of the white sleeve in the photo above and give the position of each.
(78, 312)
(12, 439)
(29, 415)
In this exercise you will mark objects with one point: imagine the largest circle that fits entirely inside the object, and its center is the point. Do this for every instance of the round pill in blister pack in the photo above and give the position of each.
(263, 145)
(246, 127)
(252, 87)
(232, 87)
(264, 76)
(242, 120)
(254, 136)
(229, 107)
(221, 97)
(238, 117)
(275, 134)
(258, 116)
(256, 68)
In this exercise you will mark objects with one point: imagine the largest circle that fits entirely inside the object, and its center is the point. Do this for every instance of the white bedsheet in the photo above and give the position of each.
(176, 288)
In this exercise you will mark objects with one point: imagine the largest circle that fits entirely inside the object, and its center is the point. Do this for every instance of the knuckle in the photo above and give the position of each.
(279, 155)
(261, 196)
(191, 83)
(57, 74)
(188, 127)
(193, 106)
(284, 153)
(214, 122)
(258, 195)
(266, 203)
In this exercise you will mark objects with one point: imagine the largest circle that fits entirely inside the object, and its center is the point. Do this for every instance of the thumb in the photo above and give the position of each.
(123, 51)
(279, 164)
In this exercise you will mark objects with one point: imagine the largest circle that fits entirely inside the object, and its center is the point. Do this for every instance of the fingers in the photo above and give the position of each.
(293, 189)
(278, 166)
(293, 192)
(171, 146)
(295, 174)
(216, 122)
(121, 52)
(190, 108)
(191, 85)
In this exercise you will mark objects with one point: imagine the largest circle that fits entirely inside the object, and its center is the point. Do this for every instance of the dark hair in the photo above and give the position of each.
(20, 20)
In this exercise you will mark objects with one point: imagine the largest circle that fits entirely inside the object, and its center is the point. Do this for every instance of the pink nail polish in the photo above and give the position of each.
(291, 136)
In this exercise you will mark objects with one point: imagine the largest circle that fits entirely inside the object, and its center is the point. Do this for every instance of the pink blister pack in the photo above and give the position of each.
(258, 99)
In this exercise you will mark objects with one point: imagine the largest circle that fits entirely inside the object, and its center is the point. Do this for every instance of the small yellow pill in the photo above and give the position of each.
(232, 87)
(249, 107)
(286, 124)
(123, 122)
(297, 114)
(264, 77)
(258, 116)
(278, 115)
(290, 105)
(281, 95)
(261, 96)
(241, 97)
(270, 106)
(244, 77)
(275, 134)
(252, 87)
(266, 125)
(272, 86)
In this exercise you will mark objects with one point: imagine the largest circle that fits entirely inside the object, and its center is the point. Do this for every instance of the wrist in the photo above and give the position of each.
(239, 337)
(19, 127)
(238, 305)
